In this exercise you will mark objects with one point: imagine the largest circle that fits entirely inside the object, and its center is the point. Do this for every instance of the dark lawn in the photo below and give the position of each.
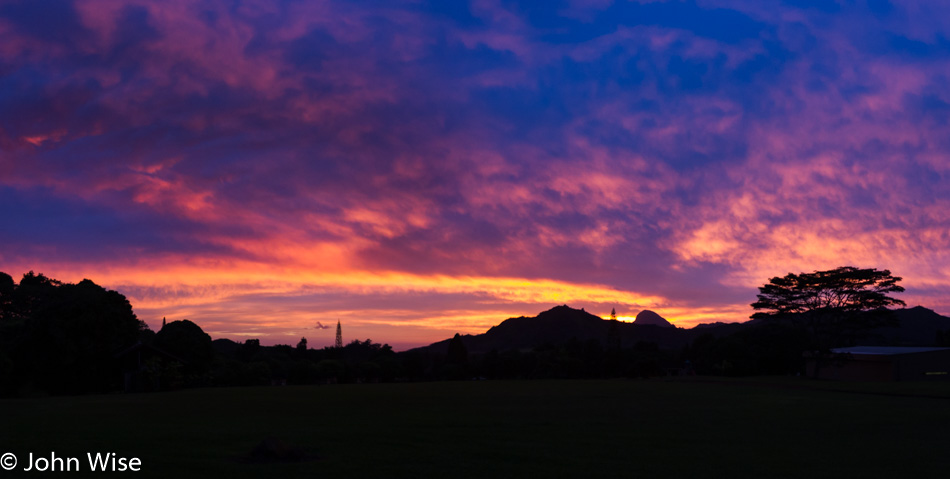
(762, 428)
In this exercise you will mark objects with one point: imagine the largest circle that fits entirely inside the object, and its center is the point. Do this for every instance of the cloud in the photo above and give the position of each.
(261, 161)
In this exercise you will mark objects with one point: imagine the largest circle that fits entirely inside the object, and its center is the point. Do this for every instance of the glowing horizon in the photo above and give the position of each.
(215, 301)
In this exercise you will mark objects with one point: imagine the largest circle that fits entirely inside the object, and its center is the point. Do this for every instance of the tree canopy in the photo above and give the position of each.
(188, 341)
(842, 290)
(835, 307)
(61, 337)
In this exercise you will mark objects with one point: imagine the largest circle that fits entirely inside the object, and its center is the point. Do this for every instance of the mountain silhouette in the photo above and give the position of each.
(649, 318)
(563, 323)
(916, 326)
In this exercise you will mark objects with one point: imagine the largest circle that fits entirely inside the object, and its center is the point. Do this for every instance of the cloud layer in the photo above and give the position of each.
(415, 169)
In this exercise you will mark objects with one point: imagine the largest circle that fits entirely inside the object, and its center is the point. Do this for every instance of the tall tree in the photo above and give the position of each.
(61, 337)
(339, 335)
(833, 305)
(613, 332)
(7, 288)
(457, 353)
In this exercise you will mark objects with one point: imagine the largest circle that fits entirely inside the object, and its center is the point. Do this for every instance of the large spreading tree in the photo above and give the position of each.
(62, 338)
(833, 305)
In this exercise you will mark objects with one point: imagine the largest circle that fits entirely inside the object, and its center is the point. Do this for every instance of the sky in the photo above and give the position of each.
(414, 169)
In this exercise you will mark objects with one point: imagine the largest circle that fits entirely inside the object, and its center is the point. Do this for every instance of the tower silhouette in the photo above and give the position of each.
(339, 335)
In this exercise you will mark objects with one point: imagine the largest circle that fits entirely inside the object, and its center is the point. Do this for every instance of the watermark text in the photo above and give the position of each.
(52, 462)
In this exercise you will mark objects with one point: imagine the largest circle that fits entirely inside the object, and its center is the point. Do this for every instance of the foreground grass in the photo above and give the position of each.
(705, 428)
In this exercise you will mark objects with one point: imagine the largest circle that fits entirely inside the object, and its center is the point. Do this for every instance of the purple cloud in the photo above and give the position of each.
(685, 151)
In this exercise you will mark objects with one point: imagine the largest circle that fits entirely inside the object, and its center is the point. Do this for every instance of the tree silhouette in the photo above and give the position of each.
(60, 337)
(456, 364)
(339, 335)
(842, 290)
(613, 332)
(832, 305)
(188, 341)
(302, 345)
(7, 287)
(457, 353)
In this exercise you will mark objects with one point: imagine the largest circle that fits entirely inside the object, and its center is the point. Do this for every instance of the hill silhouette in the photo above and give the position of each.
(649, 318)
(563, 323)
(916, 326)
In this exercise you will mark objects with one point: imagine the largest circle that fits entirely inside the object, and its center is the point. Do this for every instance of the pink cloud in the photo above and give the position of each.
(659, 161)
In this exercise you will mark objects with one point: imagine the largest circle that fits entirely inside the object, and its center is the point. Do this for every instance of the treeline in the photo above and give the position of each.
(762, 349)
(749, 350)
(62, 338)
(734, 350)
(250, 364)
(759, 350)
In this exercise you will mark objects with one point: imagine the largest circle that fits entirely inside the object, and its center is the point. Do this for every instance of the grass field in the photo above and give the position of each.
(762, 428)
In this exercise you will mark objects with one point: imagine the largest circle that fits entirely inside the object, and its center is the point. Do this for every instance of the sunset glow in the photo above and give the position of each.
(417, 169)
